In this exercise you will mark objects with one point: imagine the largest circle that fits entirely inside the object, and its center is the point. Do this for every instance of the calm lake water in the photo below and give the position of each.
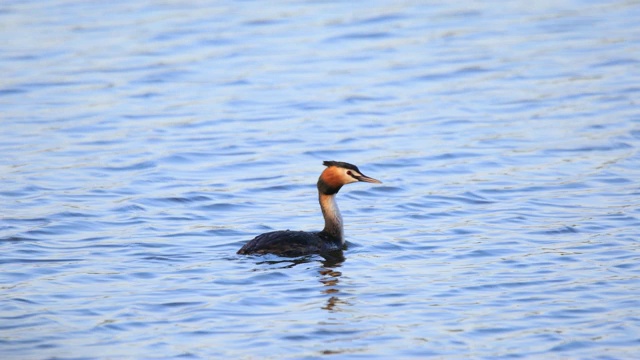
(143, 143)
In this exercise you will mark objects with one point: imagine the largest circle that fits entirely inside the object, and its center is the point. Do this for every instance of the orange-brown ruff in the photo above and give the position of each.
(297, 243)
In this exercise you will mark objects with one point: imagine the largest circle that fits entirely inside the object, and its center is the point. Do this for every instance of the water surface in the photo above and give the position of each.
(143, 143)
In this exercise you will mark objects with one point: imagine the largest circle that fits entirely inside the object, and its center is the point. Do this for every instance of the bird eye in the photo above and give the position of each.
(349, 173)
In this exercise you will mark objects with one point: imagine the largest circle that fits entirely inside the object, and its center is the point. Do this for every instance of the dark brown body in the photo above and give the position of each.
(291, 243)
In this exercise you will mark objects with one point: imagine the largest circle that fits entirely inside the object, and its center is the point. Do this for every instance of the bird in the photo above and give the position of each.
(289, 243)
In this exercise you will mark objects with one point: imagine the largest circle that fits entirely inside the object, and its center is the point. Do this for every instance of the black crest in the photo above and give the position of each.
(341, 164)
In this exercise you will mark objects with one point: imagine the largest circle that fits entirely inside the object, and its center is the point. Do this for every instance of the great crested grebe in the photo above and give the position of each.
(298, 243)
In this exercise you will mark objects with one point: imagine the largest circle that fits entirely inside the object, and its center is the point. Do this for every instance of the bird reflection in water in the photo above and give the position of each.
(331, 259)
(330, 277)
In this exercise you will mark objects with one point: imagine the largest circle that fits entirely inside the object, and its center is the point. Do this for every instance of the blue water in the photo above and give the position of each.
(142, 143)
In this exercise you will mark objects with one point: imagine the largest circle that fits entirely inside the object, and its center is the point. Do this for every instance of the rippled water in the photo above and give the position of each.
(143, 143)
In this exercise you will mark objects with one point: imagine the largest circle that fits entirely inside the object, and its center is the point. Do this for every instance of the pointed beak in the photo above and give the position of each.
(365, 178)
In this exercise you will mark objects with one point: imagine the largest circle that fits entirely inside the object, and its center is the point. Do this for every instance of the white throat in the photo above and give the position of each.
(332, 217)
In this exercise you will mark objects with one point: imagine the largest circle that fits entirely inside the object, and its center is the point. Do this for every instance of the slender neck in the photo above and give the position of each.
(332, 217)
